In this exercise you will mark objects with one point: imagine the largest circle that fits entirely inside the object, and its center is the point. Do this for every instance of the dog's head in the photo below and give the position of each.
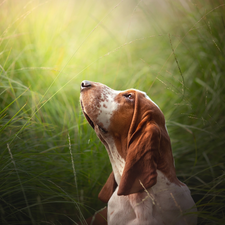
(130, 122)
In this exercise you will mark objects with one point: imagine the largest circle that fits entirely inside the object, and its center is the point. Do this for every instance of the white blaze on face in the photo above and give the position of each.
(107, 106)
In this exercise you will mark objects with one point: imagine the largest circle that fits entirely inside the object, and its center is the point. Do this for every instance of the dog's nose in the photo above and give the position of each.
(85, 84)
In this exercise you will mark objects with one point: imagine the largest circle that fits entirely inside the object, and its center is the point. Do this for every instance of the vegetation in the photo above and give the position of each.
(52, 166)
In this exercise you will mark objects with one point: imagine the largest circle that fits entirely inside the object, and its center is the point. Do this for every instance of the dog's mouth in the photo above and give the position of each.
(86, 116)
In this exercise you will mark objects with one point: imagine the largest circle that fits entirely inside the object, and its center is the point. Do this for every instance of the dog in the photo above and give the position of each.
(143, 188)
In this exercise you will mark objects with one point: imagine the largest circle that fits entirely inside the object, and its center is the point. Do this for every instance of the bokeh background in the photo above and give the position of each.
(52, 166)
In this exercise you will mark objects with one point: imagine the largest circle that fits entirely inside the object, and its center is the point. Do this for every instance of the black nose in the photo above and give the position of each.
(85, 84)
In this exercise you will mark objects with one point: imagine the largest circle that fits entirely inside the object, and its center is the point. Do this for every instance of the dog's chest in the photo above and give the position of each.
(163, 204)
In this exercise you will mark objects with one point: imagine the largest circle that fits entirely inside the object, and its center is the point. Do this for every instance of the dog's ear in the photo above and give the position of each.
(148, 149)
(141, 160)
(108, 189)
(143, 147)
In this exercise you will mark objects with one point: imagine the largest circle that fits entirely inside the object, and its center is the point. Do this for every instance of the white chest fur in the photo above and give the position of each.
(165, 203)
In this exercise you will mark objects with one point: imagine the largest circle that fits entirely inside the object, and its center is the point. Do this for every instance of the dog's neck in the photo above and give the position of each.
(117, 162)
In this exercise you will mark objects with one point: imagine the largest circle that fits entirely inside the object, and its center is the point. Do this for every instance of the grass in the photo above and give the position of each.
(52, 166)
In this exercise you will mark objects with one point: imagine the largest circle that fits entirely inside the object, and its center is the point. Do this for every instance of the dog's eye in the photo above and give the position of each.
(102, 130)
(128, 95)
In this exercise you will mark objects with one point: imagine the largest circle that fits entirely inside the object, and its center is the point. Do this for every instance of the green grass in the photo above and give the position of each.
(52, 166)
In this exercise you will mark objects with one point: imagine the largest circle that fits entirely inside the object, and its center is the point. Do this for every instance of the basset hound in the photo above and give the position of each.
(143, 188)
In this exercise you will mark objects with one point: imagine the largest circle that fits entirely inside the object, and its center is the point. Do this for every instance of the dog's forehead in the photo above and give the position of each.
(108, 95)
(146, 96)
(108, 103)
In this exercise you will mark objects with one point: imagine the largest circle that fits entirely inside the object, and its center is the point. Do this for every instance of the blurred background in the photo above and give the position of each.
(52, 166)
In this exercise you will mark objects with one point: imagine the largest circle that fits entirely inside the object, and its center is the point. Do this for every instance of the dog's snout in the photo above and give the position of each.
(85, 84)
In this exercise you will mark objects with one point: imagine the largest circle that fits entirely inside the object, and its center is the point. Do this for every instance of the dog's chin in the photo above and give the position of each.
(86, 116)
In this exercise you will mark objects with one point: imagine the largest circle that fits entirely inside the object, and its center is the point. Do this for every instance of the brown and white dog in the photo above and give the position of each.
(143, 188)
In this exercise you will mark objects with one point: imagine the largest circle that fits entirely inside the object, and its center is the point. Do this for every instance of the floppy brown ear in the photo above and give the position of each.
(142, 156)
(108, 189)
